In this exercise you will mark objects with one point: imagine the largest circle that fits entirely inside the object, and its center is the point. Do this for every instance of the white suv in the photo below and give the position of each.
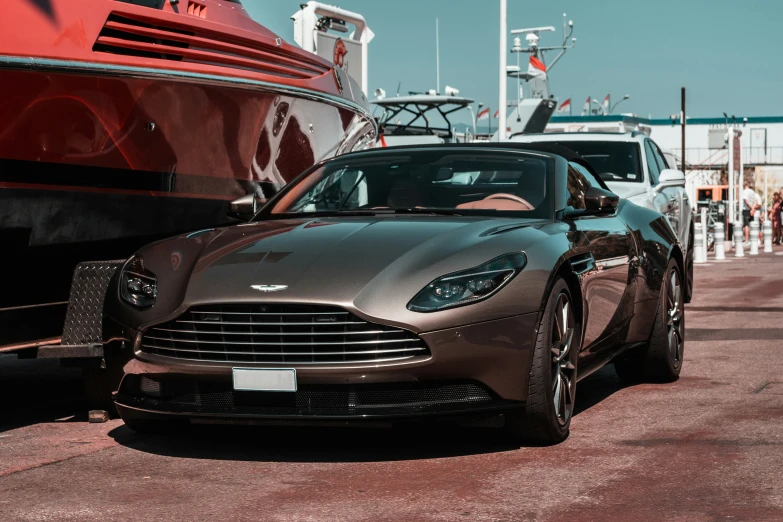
(635, 168)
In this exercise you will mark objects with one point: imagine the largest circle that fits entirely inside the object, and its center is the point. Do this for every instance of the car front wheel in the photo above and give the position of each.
(546, 417)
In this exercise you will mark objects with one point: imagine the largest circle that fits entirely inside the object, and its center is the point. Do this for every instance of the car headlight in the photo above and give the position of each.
(138, 286)
(468, 286)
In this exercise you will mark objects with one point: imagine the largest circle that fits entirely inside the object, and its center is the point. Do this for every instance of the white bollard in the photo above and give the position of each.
(767, 235)
(754, 238)
(699, 252)
(703, 226)
(739, 240)
(720, 237)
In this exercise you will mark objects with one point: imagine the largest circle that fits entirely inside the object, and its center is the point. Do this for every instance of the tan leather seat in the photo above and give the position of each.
(496, 204)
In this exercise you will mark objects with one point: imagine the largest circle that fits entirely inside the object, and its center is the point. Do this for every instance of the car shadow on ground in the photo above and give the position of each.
(39, 391)
(345, 444)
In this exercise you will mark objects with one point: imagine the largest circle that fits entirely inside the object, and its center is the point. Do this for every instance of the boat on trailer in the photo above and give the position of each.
(125, 121)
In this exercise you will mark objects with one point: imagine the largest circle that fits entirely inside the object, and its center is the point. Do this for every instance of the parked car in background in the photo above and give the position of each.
(403, 283)
(635, 168)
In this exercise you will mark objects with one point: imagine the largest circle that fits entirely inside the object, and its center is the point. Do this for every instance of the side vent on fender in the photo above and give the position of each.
(582, 264)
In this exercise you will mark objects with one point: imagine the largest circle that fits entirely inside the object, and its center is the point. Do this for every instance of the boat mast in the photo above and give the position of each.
(437, 58)
(502, 77)
(539, 88)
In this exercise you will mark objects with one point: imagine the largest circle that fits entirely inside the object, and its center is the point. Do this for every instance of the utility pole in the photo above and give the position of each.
(738, 159)
(502, 73)
(730, 170)
(682, 122)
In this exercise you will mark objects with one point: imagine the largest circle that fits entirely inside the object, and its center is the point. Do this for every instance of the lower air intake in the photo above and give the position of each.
(348, 400)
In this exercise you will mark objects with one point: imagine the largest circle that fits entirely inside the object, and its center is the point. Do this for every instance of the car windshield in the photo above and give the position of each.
(436, 182)
(613, 160)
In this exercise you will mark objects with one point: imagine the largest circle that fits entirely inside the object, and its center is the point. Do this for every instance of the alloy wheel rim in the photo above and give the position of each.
(563, 368)
(674, 318)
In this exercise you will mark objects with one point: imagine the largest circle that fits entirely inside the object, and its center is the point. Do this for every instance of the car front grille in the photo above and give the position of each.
(280, 334)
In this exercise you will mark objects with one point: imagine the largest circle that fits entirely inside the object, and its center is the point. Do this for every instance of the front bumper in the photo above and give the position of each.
(474, 368)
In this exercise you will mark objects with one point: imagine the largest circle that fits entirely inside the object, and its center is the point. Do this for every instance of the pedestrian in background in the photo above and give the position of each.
(760, 215)
(780, 193)
(774, 216)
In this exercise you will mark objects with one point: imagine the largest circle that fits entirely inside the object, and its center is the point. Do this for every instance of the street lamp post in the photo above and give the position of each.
(592, 100)
(626, 97)
(473, 116)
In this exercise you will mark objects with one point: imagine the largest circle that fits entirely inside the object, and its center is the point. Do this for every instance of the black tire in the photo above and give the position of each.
(541, 421)
(660, 360)
(689, 270)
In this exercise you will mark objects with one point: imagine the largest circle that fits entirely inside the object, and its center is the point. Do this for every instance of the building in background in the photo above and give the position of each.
(706, 154)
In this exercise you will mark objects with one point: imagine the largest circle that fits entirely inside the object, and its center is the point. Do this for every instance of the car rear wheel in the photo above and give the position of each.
(546, 417)
(661, 360)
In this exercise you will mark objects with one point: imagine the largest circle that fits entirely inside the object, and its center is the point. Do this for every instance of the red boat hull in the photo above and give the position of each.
(101, 151)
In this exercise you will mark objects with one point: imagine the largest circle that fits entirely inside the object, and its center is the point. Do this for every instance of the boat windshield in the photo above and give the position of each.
(428, 182)
(421, 115)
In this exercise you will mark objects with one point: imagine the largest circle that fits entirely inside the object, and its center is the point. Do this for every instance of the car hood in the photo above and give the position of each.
(336, 259)
(364, 264)
(627, 190)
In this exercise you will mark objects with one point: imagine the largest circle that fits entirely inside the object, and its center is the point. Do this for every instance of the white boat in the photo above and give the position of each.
(421, 119)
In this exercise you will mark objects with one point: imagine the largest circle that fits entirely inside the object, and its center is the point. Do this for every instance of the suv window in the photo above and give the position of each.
(579, 181)
(614, 161)
(671, 161)
(652, 164)
(659, 156)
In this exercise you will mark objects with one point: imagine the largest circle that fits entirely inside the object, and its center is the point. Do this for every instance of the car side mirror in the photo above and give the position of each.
(670, 178)
(598, 199)
(244, 208)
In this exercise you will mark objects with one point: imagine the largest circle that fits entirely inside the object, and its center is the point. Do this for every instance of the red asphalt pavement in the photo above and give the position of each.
(708, 447)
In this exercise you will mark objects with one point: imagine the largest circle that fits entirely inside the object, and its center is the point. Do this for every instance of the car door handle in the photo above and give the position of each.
(673, 199)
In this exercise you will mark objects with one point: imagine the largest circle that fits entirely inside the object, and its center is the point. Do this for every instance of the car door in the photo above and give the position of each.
(666, 201)
(604, 249)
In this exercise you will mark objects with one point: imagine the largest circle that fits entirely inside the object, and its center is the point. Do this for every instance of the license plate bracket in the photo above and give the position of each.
(264, 379)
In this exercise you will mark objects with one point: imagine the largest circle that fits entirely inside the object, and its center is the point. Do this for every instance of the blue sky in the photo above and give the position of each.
(726, 52)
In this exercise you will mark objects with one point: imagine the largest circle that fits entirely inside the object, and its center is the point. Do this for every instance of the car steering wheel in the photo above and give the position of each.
(511, 197)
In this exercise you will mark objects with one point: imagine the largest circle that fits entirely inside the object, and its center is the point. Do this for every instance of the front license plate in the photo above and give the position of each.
(255, 379)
